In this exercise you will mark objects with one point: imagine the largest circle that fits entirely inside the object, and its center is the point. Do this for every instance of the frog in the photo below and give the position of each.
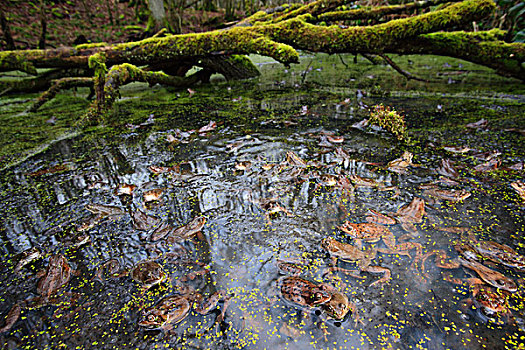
(368, 182)
(449, 195)
(338, 306)
(143, 221)
(109, 268)
(56, 276)
(302, 292)
(148, 273)
(498, 253)
(466, 259)
(401, 164)
(332, 303)
(492, 302)
(519, 187)
(411, 214)
(372, 232)
(101, 212)
(173, 309)
(348, 252)
(187, 231)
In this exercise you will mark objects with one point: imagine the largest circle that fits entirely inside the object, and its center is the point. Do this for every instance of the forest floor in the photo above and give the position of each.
(97, 20)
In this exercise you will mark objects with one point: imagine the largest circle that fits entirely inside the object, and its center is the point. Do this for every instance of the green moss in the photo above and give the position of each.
(90, 46)
(390, 120)
(13, 60)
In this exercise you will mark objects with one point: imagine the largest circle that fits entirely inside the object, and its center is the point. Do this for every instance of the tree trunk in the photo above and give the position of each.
(158, 14)
(278, 34)
(10, 44)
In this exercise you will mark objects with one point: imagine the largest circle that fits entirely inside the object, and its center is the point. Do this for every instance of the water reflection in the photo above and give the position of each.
(265, 196)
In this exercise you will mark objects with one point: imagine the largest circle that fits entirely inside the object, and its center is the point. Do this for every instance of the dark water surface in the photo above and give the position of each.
(44, 201)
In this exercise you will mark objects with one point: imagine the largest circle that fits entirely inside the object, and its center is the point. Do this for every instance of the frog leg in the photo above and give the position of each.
(442, 260)
(389, 240)
(204, 307)
(353, 273)
(404, 249)
(387, 275)
(12, 316)
(409, 227)
(355, 314)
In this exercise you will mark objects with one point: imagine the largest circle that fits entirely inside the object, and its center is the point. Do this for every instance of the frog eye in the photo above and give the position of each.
(151, 318)
(342, 306)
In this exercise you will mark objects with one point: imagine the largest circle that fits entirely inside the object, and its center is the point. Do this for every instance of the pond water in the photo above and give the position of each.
(272, 186)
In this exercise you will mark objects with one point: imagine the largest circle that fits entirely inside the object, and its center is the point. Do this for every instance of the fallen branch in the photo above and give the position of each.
(401, 71)
(60, 84)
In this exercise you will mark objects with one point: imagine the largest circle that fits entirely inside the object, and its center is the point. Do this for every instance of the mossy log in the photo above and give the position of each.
(279, 34)
(60, 84)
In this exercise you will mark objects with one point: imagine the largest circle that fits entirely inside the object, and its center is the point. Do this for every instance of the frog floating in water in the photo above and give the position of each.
(181, 233)
(148, 274)
(372, 232)
(498, 253)
(348, 252)
(321, 296)
(101, 212)
(329, 301)
(54, 278)
(170, 310)
(467, 259)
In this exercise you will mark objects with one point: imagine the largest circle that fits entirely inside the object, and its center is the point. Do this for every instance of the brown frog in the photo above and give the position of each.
(493, 302)
(372, 232)
(148, 274)
(498, 253)
(449, 195)
(411, 214)
(100, 212)
(519, 187)
(401, 164)
(302, 292)
(173, 309)
(466, 259)
(55, 277)
(143, 221)
(348, 252)
(187, 231)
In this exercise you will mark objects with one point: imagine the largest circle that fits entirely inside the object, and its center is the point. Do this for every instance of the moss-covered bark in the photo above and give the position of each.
(278, 34)
(60, 84)
(376, 12)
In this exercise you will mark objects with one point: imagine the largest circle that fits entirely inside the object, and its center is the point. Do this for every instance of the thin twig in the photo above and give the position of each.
(342, 61)
(403, 72)
(306, 71)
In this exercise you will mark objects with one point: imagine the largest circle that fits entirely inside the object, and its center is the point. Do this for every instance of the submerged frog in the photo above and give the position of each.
(372, 232)
(302, 292)
(498, 253)
(181, 233)
(55, 277)
(411, 214)
(101, 212)
(449, 195)
(332, 303)
(492, 302)
(348, 252)
(143, 221)
(148, 273)
(466, 259)
(173, 309)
